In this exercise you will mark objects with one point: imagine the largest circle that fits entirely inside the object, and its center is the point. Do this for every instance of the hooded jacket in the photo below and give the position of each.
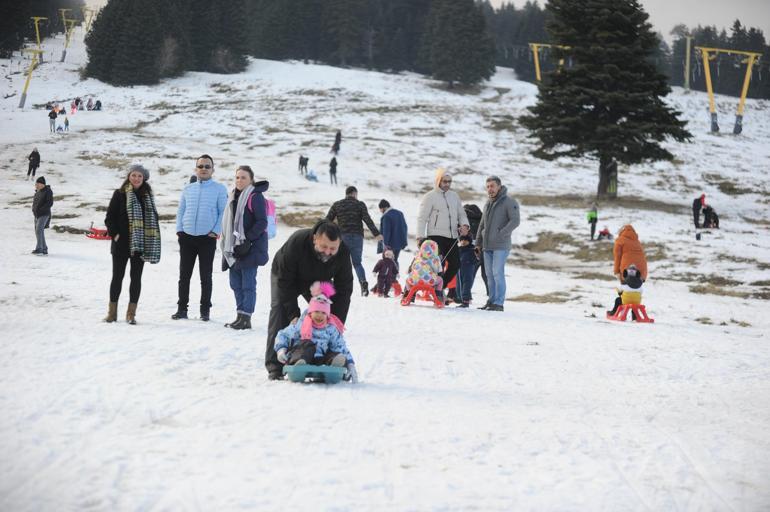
(441, 213)
(628, 250)
(500, 218)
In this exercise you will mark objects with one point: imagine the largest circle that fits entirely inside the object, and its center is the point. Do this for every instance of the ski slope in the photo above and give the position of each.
(542, 407)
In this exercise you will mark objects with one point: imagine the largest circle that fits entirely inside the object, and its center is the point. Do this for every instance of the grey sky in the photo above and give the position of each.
(664, 14)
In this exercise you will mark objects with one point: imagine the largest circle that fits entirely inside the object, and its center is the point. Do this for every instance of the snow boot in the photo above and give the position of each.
(243, 323)
(205, 315)
(181, 314)
(131, 313)
(234, 323)
(338, 360)
(364, 289)
(112, 312)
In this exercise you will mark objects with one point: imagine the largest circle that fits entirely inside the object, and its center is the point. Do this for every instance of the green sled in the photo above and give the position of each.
(327, 374)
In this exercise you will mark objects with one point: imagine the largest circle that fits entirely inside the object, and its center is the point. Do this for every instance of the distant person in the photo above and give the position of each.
(90, 104)
(710, 218)
(66, 124)
(132, 223)
(244, 242)
(351, 214)
(41, 209)
(697, 204)
(333, 170)
(311, 176)
(393, 229)
(337, 142)
(303, 161)
(592, 216)
(198, 224)
(98, 105)
(604, 234)
(34, 163)
(493, 241)
(52, 115)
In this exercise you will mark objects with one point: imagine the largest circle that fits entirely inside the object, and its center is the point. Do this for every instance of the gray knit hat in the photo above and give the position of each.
(140, 168)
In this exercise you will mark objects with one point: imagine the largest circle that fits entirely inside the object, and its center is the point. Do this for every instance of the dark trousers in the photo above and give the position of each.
(203, 248)
(696, 216)
(306, 350)
(469, 265)
(333, 177)
(450, 254)
(276, 321)
(31, 169)
(119, 262)
(593, 229)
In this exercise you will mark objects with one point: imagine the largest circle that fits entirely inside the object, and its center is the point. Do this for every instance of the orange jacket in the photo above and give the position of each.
(628, 250)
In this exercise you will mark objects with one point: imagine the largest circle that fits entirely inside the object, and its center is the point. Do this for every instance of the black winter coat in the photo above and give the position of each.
(255, 225)
(116, 221)
(349, 214)
(296, 266)
(34, 159)
(42, 202)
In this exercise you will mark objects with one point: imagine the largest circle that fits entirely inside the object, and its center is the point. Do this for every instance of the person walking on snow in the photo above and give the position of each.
(333, 170)
(442, 219)
(350, 214)
(34, 163)
(244, 242)
(132, 223)
(198, 224)
(41, 209)
(493, 240)
(52, 115)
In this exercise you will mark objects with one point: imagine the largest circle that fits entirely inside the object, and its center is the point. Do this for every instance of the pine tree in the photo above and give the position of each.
(609, 104)
(139, 39)
(343, 22)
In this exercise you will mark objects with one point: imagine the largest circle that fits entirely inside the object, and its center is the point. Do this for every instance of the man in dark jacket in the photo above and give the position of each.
(52, 115)
(393, 229)
(309, 255)
(493, 240)
(697, 204)
(41, 209)
(34, 163)
(349, 214)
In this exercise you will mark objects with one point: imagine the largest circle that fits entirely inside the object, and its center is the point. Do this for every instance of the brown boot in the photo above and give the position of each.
(131, 313)
(112, 312)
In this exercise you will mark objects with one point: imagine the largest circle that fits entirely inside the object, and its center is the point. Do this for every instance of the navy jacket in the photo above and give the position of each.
(393, 229)
(255, 224)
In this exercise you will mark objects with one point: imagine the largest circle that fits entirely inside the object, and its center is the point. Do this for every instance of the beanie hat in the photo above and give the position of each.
(139, 168)
(322, 293)
(440, 173)
(41, 179)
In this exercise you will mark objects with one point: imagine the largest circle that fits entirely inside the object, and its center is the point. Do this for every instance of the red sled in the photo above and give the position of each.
(98, 234)
(639, 314)
(428, 293)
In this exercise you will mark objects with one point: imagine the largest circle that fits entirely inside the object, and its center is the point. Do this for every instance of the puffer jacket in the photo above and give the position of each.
(441, 213)
(42, 202)
(628, 250)
(349, 213)
(500, 218)
(201, 208)
(326, 339)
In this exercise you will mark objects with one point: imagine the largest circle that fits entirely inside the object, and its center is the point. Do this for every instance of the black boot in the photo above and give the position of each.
(244, 323)
(205, 315)
(235, 322)
(364, 288)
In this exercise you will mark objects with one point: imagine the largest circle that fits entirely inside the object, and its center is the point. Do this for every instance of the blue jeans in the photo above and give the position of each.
(355, 244)
(40, 223)
(469, 265)
(243, 282)
(494, 262)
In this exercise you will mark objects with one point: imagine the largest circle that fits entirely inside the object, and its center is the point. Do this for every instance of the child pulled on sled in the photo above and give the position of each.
(316, 338)
(630, 290)
(387, 273)
(426, 268)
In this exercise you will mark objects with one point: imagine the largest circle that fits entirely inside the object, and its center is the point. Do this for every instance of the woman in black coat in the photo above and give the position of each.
(132, 223)
(244, 242)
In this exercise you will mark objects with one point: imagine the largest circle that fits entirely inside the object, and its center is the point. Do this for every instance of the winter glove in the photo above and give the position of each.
(282, 358)
(352, 374)
(242, 250)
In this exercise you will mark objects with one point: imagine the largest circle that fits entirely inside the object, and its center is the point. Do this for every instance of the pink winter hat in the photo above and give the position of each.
(321, 292)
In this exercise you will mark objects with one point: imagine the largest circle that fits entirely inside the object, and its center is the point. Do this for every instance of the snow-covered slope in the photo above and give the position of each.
(542, 407)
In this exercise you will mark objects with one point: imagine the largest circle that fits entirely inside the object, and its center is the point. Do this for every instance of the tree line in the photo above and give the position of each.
(16, 24)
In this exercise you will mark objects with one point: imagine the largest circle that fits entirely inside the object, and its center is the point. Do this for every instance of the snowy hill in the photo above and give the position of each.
(542, 407)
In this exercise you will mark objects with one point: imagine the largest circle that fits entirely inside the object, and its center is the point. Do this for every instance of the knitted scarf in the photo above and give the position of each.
(306, 329)
(143, 229)
(232, 226)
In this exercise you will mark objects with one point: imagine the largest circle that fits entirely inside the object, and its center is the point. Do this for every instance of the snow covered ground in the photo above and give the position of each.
(542, 407)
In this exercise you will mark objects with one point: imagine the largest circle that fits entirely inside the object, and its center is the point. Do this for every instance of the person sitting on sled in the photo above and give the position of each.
(316, 338)
(604, 234)
(426, 268)
(629, 290)
(387, 272)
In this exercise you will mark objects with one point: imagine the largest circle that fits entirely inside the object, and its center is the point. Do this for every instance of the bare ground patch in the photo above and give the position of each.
(548, 298)
(301, 219)
(579, 202)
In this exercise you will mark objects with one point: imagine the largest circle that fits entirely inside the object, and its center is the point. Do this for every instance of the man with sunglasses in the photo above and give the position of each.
(198, 224)
(443, 219)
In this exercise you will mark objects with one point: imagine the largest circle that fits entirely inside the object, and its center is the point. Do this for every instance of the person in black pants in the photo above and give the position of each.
(34, 163)
(309, 255)
(333, 171)
(697, 204)
(132, 223)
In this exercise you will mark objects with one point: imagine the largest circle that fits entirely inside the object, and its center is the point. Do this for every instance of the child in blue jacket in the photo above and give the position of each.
(316, 338)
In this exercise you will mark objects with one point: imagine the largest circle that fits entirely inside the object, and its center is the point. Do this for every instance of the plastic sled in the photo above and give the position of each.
(327, 374)
(98, 234)
(427, 291)
(640, 314)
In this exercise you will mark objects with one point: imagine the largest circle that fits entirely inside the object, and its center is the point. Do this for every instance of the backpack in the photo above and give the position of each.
(272, 228)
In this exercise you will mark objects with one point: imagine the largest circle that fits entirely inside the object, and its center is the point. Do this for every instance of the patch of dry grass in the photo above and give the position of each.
(549, 298)
(580, 202)
(69, 229)
(710, 289)
(594, 276)
(704, 320)
(301, 219)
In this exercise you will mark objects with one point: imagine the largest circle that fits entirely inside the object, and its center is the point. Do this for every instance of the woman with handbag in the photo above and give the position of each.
(244, 242)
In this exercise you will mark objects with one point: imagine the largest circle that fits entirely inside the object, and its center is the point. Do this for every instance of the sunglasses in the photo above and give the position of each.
(204, 166)
(446, 181)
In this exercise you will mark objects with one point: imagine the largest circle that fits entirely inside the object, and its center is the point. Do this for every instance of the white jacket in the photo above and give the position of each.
(441, 213)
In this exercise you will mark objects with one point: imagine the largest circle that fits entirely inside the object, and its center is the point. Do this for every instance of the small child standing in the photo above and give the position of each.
(387, 272)
(316, 338)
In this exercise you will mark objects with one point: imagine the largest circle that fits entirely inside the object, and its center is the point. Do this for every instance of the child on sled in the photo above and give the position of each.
(630, 290)
(316, 338)
(387, 273)
(426, 268)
